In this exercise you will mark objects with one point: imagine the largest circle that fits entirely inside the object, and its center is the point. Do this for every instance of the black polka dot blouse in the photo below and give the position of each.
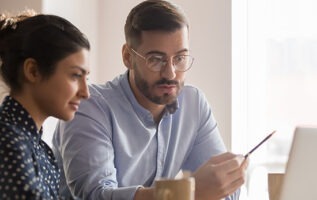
(28, 169)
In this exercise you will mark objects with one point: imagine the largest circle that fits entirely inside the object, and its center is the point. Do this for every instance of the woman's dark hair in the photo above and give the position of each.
(45, 38)
(153, 15)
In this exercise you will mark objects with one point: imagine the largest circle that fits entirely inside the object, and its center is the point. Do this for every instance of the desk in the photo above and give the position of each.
(274, 185)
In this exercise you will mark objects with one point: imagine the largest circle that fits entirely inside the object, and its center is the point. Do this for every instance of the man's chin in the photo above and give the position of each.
(166, 99)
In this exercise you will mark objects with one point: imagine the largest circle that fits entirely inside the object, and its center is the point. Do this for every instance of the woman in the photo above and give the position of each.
(44, 62)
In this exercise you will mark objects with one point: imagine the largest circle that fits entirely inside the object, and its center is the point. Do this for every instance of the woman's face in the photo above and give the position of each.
(59, 95)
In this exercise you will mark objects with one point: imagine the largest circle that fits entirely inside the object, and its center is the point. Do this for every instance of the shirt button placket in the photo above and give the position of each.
(160, 154)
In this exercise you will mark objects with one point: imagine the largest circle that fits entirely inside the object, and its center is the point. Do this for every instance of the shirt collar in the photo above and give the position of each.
(171, 108)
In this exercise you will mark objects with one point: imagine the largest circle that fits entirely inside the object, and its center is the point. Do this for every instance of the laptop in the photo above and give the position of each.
(300, 177)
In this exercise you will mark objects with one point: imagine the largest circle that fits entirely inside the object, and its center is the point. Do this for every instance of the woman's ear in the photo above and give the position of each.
(31, 70)
(126, 56)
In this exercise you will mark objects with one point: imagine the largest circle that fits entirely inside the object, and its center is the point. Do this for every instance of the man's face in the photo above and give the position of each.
(159, 87)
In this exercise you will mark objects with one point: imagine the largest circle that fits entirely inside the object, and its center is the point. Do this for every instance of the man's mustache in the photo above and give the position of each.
(167, 82)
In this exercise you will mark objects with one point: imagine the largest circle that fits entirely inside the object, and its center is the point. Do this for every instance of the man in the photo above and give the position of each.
(146, 124)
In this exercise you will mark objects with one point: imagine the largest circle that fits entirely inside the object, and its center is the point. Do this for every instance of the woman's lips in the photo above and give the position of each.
(74, 105)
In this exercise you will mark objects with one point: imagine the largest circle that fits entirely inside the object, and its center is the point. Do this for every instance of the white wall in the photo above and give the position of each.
(15, 6)
(210, 32)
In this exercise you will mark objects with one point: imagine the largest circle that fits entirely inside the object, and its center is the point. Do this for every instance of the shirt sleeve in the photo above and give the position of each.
(88, 155)
(208, 142)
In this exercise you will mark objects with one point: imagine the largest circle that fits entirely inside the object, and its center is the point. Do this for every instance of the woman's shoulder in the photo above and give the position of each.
(11, 134)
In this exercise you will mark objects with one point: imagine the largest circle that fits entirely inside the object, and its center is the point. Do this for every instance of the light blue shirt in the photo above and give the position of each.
(113, 146)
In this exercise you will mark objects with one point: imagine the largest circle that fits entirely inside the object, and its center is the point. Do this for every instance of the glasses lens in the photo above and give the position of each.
(155, 62)
(182, 62)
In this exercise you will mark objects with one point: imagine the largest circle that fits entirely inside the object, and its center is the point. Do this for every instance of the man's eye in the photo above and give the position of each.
(179, 59)
(155, 59)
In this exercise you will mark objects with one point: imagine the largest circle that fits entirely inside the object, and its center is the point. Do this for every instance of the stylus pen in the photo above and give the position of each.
(258, 145)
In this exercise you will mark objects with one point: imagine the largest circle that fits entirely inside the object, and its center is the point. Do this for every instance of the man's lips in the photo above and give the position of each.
(167, 88)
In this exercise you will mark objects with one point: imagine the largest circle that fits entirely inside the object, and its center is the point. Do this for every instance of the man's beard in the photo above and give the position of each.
(146, 89)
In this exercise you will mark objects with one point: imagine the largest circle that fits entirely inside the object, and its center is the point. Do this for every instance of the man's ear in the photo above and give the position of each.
(31, 70)
(126, 56)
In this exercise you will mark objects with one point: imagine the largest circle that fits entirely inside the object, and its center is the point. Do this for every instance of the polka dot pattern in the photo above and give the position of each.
(28, 168)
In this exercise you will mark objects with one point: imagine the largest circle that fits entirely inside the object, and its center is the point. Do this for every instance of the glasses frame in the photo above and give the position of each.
(145, 59)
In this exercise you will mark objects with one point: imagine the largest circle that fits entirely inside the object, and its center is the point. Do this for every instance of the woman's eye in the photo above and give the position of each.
(76, 75)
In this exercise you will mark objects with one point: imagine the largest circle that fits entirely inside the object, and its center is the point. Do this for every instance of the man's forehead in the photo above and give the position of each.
(161, 39)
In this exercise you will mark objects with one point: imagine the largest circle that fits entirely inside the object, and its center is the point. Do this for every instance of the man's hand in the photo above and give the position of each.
(220, 176)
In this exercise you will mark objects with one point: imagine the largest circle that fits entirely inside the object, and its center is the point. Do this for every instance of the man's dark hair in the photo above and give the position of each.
(152, 15)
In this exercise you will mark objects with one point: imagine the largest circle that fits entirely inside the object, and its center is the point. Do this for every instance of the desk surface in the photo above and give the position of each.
(274, 185)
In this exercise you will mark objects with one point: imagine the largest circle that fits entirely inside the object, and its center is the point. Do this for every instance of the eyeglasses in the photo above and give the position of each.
(156, 62)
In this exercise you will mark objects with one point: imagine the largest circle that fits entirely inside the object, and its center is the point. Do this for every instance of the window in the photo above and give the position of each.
(274, 77)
